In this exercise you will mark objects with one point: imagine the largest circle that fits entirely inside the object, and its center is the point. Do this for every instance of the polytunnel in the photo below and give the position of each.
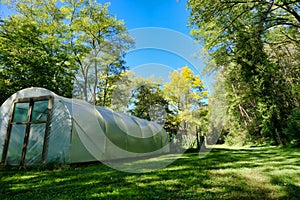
(37, 126)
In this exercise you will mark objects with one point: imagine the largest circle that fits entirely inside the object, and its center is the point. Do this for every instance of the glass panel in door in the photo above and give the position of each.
(35, 144)
(40, 111)
(20, 112)
(15, 144)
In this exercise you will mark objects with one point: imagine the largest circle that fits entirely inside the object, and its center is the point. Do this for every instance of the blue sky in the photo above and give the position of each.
(151, 13)
(163, 43)
(171, 16)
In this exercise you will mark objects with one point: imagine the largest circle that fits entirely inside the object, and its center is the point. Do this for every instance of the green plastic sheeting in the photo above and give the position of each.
(61, 130)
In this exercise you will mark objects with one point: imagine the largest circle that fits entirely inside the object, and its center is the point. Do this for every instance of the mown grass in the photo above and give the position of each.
(224, 173)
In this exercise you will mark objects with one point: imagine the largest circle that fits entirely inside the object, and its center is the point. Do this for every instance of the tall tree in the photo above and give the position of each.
(67, 36)
(217, 112)
(186, 94)
(31, 55)
(110, 79)
(99, 42)
(147, 100)
(244, 39)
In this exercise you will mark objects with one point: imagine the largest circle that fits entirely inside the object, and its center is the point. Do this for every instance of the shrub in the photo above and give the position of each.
(293, 127)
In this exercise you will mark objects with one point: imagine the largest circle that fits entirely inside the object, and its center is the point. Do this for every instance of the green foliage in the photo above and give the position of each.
(185, 94)
(30, 56)
(293, 127)
(98, 41)
(146, 97)
(109, 78)
(147, 101)
(122, 91)
(177, 104)
(254, 46)
(217, 113)
(237, 134)
(46, 44)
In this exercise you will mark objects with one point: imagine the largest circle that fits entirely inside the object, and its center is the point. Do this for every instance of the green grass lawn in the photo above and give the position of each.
(224, 173)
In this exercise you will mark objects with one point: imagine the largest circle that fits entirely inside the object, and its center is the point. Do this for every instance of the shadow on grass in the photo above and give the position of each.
(254, 173)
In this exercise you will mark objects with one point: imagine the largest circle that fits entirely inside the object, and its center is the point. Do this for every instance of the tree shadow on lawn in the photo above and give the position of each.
(292, 190)
(264, 173)
(251, 158)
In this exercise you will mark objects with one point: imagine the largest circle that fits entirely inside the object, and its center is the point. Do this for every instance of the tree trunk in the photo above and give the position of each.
(197, 138)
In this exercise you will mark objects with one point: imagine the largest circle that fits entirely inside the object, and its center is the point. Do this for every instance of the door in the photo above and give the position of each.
(27, 132)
